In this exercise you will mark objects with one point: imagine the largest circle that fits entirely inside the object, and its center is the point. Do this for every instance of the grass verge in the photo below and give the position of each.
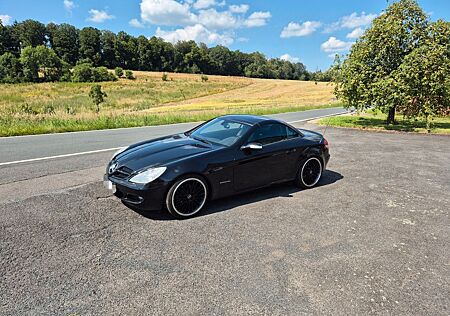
(10, 126)
(377, 121)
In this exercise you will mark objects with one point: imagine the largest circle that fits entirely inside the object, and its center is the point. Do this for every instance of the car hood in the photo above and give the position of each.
(161, 151)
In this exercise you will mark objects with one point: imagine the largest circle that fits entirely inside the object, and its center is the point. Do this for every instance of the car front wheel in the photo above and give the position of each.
(310, 173)
(187, 197)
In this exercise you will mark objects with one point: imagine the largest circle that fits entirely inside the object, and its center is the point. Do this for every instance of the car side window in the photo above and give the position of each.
(272, 133)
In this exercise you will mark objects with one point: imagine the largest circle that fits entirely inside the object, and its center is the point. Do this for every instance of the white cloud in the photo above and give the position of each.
(217, 20)
(197, 33)
(334, 45)
(354, 20)
(136, 23)
(290, 58)
(6, 19)
(166, 12)
(257, 19)
(240, 9)
(199, 20)
(99, 16)
(351, 21)
(356, 33)
(204, 4)
(304, 29)
(69, 5)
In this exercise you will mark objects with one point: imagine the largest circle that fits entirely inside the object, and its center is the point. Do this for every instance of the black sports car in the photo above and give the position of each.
(224, 156)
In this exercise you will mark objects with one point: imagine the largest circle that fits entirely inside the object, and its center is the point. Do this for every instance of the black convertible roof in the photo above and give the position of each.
(249, 119)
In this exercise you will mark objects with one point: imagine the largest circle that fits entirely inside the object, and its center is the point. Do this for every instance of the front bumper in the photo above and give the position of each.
(146, 197)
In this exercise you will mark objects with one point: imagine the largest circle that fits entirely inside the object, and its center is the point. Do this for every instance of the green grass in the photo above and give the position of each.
(377, 121)
(10, 126)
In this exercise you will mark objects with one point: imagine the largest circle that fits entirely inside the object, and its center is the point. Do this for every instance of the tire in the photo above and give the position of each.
(187, 197)
(309, 173)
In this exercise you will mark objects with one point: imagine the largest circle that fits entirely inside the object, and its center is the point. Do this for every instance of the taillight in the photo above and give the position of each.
(325, 143)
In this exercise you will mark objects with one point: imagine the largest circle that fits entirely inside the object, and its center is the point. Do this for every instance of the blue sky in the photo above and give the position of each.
(307, 31)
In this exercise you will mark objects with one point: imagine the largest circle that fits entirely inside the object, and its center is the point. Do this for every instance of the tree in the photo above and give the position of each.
(126, 49)
(90, 45)
(8, 40)
(44, 60)
(31, 33)
(64, 39)
(30, 63)
(97, 96)
(108, 42)
(10, 68)
(367, 73)
(422, 81)
(49, 63)
(259, 68)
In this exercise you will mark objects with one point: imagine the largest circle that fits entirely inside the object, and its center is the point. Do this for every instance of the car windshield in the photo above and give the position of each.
(220, 131)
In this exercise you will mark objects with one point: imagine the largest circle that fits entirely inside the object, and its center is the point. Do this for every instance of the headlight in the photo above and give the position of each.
(118, 152)
(148, 175)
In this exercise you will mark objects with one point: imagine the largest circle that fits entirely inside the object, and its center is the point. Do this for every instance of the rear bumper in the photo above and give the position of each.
(146, 197)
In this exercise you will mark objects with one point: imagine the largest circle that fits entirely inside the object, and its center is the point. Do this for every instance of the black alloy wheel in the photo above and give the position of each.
(187, 197)
(310, 173)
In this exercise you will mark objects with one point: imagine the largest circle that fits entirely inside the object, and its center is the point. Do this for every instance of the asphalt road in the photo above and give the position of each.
(373, 238)
(14, 149)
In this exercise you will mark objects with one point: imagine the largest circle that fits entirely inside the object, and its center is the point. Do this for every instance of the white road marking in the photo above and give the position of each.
(117, 148)
(59, 156)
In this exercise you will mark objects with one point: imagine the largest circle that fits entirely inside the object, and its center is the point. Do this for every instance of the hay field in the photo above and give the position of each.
(148, 100)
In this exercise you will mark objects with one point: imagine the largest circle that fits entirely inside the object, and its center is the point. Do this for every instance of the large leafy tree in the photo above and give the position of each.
(367, 76)
(90, 45)
(108, 42)
(126, 49)
(64, 39)
(423, 80)
(41, 60)
(8, 40)
(31, 33)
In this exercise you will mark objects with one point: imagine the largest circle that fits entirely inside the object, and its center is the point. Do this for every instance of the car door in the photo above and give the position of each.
(257, 168)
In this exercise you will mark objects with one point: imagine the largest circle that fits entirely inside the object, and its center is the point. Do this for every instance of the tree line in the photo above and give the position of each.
(400, 65)
(29, 46)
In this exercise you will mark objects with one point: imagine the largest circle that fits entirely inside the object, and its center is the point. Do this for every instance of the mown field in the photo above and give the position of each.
(148, 100)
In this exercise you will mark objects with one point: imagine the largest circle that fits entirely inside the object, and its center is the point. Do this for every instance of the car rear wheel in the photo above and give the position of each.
(310, 173)
(187, 197)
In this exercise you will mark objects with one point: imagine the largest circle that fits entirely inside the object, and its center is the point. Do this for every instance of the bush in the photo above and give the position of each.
(86, 73)
(118, 71)
(165, 77)
(102, 74)
(129, 75)
(10, 69)
(83, 73)
(204, 78)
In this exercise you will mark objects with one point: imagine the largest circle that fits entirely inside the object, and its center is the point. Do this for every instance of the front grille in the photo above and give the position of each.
(122, 173)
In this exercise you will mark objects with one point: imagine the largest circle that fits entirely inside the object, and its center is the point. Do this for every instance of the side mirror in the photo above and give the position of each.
(252, 146)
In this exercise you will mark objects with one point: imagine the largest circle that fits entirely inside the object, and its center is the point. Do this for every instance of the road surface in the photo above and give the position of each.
(17, 149)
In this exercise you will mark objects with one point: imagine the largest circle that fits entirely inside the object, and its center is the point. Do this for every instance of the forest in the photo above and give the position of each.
(33, 52)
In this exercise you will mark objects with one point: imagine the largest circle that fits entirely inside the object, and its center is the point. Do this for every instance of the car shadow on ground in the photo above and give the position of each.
(225, 204)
